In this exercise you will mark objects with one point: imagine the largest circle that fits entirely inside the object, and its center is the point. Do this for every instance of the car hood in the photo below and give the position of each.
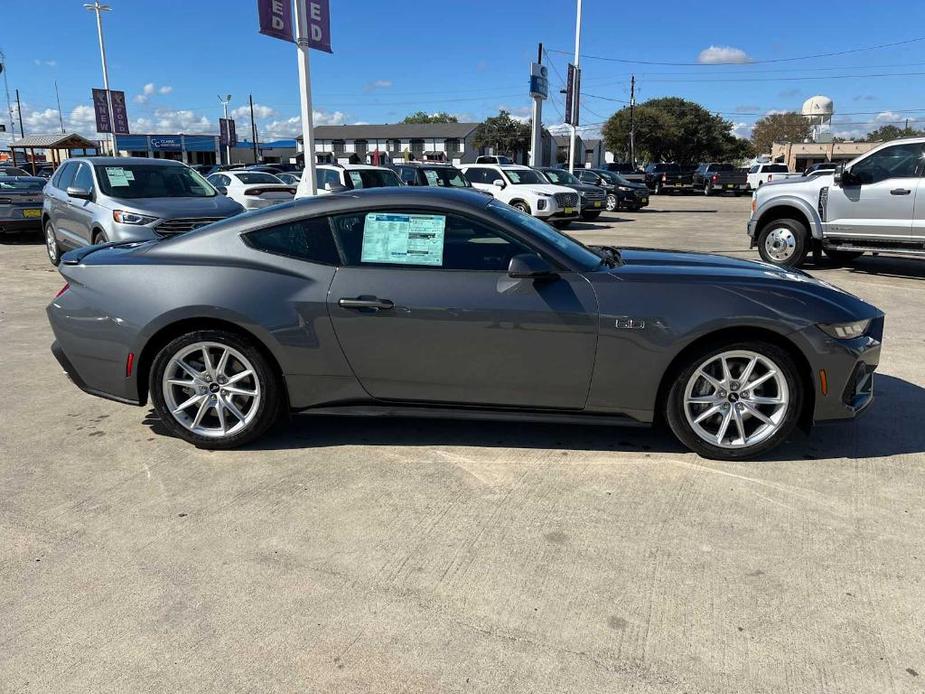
(583, 187)
(171, 208)
(761, 281)
(544, 188)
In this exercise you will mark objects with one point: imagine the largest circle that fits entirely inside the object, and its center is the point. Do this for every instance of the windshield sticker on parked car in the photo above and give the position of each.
(431, 177)
(404, 239)
(118, 176)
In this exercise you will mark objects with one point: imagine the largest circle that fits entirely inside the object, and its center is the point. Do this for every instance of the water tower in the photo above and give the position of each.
(819, 110)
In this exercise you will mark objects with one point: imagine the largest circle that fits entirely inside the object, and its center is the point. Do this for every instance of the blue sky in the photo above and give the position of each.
(173, 57)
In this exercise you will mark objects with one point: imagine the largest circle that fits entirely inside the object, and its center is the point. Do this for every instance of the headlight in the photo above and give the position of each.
(625, 189)
(123, 217)
(845, 331)
(541, 204)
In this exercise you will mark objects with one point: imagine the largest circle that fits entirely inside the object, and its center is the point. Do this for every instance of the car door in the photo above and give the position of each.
(481, 178)
(878, 199)
(425, 311)
(59, 203)
(83, 211)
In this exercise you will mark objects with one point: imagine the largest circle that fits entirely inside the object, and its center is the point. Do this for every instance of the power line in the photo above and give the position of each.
(752, 62)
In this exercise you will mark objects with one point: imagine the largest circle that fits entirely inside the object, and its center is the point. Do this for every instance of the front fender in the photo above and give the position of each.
(795, 202)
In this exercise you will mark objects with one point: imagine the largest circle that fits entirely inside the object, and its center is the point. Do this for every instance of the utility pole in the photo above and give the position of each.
(99, 9)
(250, 98)
(633, 121)
(9, 104)
(22, 133)
(225, 103)
(58, 98)
(576, 95)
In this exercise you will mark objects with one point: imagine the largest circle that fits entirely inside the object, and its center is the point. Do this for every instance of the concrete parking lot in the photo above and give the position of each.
(422, 556)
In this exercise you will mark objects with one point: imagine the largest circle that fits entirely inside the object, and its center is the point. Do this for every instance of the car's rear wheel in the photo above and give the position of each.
(783, 242)
(707, 189)
(51, 244)
(735, 401)
(612, 203)
(658, 188)
(214, 389)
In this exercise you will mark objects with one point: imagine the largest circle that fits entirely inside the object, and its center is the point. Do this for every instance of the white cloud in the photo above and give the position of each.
(46, 63)
(260, 111)
(282, 129)
(149, 90)
(377, 84)
(715, 55)
(743, 130)
(521, 114)
(887, 117)
(165, 89)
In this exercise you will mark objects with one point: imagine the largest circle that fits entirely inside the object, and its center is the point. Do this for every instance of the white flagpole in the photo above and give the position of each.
(308, 183)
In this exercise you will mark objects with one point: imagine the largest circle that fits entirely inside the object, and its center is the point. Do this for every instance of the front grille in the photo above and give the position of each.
(178, 226)
(593, 195)
(567, 199)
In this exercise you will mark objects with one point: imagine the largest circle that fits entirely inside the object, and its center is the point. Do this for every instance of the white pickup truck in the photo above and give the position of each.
(866, 205)
(759, 174)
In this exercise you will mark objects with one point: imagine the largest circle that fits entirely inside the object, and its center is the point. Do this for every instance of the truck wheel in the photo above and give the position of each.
(658, 188)
(783, 242)
(842, 256)
(707, 189)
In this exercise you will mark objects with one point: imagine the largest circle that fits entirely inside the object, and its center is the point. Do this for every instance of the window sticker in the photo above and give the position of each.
(404, 239)
(117, 176)
(356, 179)
(431, 177)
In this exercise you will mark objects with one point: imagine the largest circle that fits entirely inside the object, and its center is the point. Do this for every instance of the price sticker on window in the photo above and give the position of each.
(403, 239)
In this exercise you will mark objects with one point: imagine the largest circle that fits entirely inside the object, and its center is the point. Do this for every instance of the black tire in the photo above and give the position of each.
(51, 244)
(590, 216)
(842, 256)
(99, 237)
(674, 402)
(521, 205)
(707, 189)
(612, 204)
(271, 389)
(773, 235)
(658, 188)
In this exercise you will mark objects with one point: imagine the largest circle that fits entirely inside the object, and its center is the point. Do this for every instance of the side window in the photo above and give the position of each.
(66, 175)
(424, 239)
(408, 175)
(587, 177)
(326, 176)
(304, 239)
(84, 177)
(900, 161)
(754, 169)
(476, 175)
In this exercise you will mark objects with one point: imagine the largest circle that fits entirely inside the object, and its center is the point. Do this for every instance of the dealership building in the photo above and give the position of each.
(190, 149)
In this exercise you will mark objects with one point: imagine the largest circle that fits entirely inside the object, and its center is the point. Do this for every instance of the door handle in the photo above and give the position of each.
(367, 302)
(900, 191)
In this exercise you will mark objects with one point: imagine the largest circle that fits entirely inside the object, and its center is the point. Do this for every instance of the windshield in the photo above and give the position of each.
(610, 177)
(13, 171)
(373, 178)
(132, 181)
(257, 178)
(581, 255)
(722, 167)
(447, 177)
(776, 168)
(561, 176)
(620, 181)
(524, 176)
(12, 183)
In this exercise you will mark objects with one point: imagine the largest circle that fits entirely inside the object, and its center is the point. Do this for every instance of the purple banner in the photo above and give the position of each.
(275, 18)
(319, 25)
(232, 135)
(101, 109)
(119, 113)
(227, 137)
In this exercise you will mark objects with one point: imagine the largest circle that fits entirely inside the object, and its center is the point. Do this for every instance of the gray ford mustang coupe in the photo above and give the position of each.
(439, 303)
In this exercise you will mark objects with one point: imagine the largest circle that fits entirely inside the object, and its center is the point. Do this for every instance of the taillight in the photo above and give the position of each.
(67, 285)
(715, 178)
(770, 176)
(664, 177)
(254, 191)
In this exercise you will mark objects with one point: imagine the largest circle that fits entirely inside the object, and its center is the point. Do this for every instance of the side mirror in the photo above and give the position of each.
(222, 189)
(530, 266)
(839, 173)
(498, 183)
(79, 192)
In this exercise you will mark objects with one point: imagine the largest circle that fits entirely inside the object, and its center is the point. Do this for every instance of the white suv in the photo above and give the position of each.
(527, 190)
(334, 178)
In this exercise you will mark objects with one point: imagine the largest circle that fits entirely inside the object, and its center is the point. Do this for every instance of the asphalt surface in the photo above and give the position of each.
(420, 556)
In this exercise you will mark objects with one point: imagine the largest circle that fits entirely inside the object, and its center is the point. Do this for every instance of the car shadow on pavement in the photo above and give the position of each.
(891, 427)
(881, 265)
(23, 238)
(654, 211)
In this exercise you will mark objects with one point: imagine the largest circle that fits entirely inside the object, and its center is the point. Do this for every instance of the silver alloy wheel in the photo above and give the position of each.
(211, 389)
(51, 243)
(611, 202)
(736, 399)
(780, 243)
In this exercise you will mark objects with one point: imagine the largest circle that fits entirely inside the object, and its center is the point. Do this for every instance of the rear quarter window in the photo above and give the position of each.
(304, 239)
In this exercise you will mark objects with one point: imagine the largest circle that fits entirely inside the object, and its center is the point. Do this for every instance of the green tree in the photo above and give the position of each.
(503, 133)
(422, 117)
(672, 129)
(779, 127)
(892, 132)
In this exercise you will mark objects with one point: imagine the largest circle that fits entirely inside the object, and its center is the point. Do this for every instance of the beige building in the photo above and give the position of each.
(798, 155)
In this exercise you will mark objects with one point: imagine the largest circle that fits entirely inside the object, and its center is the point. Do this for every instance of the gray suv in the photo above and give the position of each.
(101, 199)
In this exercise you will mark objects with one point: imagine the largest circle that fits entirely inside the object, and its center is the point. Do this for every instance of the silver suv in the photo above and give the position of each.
(867, 205)
(102, 199)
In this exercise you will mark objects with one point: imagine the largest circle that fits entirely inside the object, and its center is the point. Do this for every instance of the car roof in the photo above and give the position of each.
(352, 167)
(123, 161)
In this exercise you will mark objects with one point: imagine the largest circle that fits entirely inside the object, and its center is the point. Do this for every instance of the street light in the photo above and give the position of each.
(225, 103)
(99, 9)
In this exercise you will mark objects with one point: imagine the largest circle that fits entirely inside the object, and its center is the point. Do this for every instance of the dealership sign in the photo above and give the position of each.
(572, 94)
(319, 25)
(119, 122)
(539, 81)
(276, 21)
(227, 135)
(275, 18)
(101, 110)
(119, 113)
(167, 144)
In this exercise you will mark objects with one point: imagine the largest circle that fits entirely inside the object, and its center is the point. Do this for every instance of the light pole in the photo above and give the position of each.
(9, 104)
(575, 92)
(225, 103)
(99, 9)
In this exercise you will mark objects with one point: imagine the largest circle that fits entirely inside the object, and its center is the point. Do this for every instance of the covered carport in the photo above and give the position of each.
(55, 144)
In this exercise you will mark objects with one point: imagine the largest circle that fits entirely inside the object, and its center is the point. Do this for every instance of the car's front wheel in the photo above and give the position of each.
(783, 242)
(214, 389)
(735, 401)
(51, 244)
(612, 203)
(521, 205)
